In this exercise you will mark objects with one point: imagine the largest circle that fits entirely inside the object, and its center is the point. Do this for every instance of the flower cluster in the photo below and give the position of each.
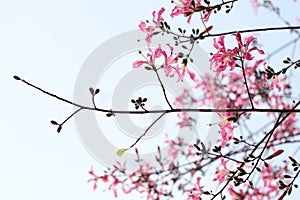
(160, 59)
(196, 192)
(188, 7)
(169, 63)
(221, 172)
(230, 58)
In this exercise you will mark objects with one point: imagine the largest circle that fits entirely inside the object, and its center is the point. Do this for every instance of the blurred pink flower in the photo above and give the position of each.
(221, 172)
(197, 191)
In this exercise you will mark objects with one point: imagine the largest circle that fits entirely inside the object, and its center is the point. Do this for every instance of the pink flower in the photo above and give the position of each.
(169, 64)
(226, 129)
(270, 178)
(95, 178)
(184, 7)
(244, 49)
(197, 191)
(173, 149)
(139, 63)
(183, 72)
(158, 19)
(227, 57)
(149, 30)
(234, 194)
(113, 186)
(221, 173)
(275, 82)
(223, 58)
(186, 120)
(170, 60)
(185, 100)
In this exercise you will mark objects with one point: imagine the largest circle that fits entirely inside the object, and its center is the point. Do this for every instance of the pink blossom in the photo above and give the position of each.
(226, 129)
(221, 172)
(139, 63)
(275, 82)
(223, 58)
(149, 29)
(227, 57)
(197, 191)
(94, 179)
(173, 149)
(158, 19)
(186, 120)
(185, 70)
(185, 8)
(244, 49)
(170, 60)
(182, 7)
(169, 64)
(113, 185)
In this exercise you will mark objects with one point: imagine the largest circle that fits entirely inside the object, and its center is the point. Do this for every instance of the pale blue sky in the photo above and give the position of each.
(46, 43)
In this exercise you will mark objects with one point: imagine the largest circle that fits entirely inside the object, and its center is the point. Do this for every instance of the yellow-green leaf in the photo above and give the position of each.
(120, 152)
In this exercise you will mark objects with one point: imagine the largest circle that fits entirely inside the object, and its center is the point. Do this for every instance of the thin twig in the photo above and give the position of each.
(163, 87)
(154, 122)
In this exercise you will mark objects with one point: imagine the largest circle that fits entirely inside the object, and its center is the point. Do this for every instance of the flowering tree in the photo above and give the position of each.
(249, 161)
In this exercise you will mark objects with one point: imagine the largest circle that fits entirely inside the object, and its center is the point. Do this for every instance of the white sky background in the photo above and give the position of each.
(46, 42)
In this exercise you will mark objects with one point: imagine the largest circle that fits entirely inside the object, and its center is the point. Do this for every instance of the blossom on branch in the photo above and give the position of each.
(243, 47)
(169, 62)
(229, 58)
(149, 28)
(156, 54)
(223, 58)
(94, 179)
(275, 82)
(226, 129)
(221, 172)
(188, 7)
(196, 191)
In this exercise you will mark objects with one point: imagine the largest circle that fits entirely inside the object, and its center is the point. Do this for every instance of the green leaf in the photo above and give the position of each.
(120, 152)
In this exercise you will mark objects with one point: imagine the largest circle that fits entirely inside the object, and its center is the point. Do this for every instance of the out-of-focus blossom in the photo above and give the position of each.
(221, 172)
(226, 129)
(196, 191)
